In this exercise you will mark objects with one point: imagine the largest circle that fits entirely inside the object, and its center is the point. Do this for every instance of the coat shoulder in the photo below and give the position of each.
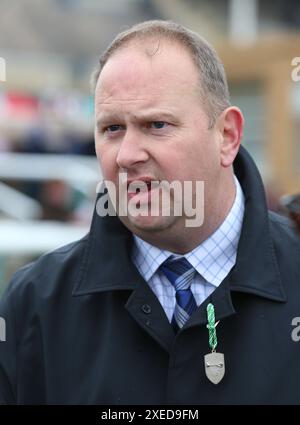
(283, 229)
(286, 247)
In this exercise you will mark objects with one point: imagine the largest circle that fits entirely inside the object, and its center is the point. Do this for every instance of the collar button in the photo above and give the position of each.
(146, 308)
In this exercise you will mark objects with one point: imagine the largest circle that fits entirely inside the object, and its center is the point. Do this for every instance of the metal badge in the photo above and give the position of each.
(214, 367)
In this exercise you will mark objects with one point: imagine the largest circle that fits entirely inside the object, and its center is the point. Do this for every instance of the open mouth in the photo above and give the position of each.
(139, 186)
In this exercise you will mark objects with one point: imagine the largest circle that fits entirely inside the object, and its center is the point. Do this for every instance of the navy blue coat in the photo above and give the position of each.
(84, 327)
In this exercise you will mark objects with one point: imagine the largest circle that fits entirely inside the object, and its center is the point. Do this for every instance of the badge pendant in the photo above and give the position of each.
(214, 362)
(214, 367)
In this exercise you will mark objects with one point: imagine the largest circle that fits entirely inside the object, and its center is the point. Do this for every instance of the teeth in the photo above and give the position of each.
(134, 186)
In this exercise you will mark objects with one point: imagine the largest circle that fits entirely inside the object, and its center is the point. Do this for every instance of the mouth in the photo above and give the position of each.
(141, 187)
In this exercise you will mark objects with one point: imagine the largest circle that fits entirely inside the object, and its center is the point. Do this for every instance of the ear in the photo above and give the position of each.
(230, 125)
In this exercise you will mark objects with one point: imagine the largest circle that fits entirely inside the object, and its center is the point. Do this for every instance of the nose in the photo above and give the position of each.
(132, 150)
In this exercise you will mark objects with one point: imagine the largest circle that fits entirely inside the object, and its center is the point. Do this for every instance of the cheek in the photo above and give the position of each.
(196, 162)
(107, 160)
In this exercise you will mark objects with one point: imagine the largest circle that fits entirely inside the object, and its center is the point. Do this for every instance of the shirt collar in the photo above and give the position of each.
(212, 259)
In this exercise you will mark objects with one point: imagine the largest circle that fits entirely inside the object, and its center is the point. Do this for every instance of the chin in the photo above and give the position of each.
(149, 224)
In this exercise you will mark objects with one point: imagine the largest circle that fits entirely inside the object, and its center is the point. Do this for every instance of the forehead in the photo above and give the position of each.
(152, 67)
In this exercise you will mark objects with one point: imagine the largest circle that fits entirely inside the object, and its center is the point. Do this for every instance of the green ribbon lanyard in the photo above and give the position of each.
(211, 326)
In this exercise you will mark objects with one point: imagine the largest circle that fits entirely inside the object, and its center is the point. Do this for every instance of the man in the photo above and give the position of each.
(127, 314)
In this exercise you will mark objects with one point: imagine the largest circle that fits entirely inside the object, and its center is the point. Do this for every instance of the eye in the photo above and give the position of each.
(157, 125)
(113, 128)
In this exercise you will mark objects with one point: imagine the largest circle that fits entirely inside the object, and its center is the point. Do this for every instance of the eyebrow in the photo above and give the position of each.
(151, 115)
(105, 119)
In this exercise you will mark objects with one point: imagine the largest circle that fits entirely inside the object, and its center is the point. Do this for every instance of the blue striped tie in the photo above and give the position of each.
(181, 274)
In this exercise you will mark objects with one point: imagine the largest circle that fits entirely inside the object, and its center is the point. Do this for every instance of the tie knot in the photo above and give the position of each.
(179, 272)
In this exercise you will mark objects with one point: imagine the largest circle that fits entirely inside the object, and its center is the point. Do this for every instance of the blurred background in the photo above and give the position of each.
(48, 49)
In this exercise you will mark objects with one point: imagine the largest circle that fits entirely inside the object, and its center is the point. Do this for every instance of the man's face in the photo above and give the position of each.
(151, 125)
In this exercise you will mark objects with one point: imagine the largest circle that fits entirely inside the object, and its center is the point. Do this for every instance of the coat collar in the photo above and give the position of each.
(256, 270)
(106, 264)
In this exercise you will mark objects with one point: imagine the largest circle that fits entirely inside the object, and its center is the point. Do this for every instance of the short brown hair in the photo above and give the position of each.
(213, 87)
